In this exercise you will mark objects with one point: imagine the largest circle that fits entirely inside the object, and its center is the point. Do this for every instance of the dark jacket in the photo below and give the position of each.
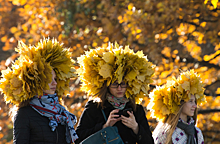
(32, 128)
(92, 121)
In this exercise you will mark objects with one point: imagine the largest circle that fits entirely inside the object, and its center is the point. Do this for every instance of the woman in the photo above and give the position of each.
(175, 106)
(35, 85)
(119, 78)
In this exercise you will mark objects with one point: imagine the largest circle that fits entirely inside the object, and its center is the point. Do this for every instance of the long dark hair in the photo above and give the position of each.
(102, 95)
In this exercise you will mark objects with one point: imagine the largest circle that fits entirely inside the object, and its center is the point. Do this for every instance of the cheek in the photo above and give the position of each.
(111, 90)
(186, 107)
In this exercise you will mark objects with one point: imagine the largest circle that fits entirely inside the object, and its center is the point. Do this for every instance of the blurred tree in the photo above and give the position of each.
(175, 34)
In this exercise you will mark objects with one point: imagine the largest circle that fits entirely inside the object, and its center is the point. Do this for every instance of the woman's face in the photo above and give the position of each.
(189, 107)
(118, 90)
(52, 85)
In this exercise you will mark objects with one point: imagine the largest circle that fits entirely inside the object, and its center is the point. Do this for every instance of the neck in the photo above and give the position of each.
(183, 117)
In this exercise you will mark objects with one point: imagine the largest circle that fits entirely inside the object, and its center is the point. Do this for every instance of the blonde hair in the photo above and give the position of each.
(170, 122)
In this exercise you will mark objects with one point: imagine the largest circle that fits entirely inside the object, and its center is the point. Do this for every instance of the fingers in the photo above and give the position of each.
(112, 113)
(113, 118)
(128, 121)
(130, 114)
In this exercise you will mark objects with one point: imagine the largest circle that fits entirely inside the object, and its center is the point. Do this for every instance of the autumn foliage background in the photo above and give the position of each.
(175, 34)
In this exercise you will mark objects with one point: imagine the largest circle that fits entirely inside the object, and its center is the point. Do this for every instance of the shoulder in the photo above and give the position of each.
(140, 109)
(179, 136)
(159, 135)
(198, 130)
(23, 115)
(91, 104)
(24, 111)
(199, 135)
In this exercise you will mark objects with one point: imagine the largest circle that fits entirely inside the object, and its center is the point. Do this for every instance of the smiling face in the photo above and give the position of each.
(118, 90)
(188, 108)
(52, 85)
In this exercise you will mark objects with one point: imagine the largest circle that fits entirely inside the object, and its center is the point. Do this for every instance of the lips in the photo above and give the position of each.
(119, 93)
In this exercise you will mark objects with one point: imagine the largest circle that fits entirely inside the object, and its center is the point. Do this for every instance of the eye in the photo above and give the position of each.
(123, 83)
(114, 84)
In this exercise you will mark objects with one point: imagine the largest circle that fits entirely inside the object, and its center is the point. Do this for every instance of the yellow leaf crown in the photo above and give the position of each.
(166, 99)
(31, 72)
(113, 63)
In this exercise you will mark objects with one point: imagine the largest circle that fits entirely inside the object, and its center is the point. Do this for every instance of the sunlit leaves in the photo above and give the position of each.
(176, 35)
(214, 2)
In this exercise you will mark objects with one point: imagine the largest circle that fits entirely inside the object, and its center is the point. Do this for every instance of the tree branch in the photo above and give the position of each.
(208, 111)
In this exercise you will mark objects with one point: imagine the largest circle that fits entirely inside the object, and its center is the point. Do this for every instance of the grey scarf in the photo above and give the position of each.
(189, 130)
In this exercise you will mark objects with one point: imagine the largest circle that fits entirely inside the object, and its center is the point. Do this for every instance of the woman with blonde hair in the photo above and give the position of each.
(120, 79)
(35, 85)
(175, 106)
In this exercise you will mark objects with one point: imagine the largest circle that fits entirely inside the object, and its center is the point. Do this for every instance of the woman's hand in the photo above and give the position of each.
(112, 119)
(130, 122)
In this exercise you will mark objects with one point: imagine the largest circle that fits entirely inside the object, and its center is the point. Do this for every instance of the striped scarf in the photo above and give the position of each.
(48, 106)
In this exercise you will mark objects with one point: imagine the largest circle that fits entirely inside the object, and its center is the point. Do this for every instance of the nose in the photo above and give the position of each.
(119, 87)
(54, 82)
(195, 105)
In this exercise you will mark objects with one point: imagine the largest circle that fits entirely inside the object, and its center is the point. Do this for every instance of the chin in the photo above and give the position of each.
(50, 92)
(119, 96)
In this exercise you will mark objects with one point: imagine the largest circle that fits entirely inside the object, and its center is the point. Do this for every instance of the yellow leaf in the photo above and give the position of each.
(34, 27)
(94, 44)
(163, 36)
(218, 91)
(164, 110)
(214, 3)
(205, 2)
(191, 28)
(106, 39)
(4, 38)
(164, 74)
(170, 31)
(105, 70)
(166, 51)
(119, 17)
(138, 31)
(15, 82)
(130, 6)
(24, 27)
(196, 21)
(175, 51)
(108, 57)
(15, 2)
(131, 75)
(13, 29)
(22, 2)
(138, 36)
(159, 5)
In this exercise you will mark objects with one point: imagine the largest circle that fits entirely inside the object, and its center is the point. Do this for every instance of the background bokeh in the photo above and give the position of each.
(176, 35)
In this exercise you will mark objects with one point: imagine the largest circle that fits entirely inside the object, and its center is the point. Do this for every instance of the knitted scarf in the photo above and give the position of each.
(189, 130)
(118, 103)
(48, 106)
